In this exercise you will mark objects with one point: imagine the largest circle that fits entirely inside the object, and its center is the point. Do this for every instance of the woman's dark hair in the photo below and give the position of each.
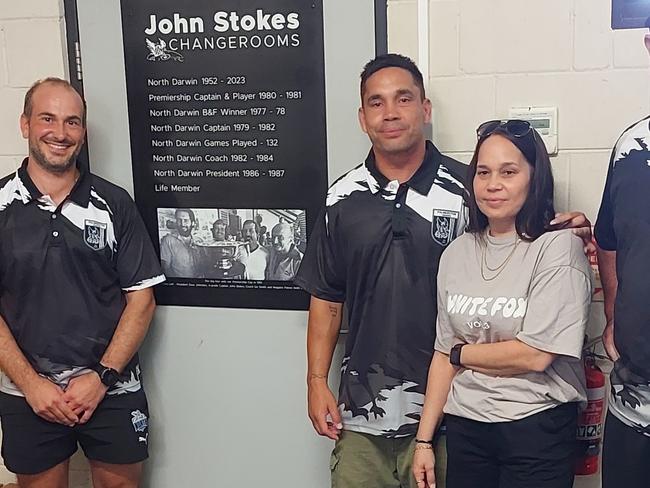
(536, 213)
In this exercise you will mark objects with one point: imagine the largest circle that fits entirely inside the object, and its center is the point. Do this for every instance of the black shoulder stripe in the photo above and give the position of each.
(449, 185)
(456, 169)
(98, 203)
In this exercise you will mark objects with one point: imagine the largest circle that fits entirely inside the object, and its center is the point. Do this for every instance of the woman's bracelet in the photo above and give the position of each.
(423, 447)
(316, 376)
(420, 441)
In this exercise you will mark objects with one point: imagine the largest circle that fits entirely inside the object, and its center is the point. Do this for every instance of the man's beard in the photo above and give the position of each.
(50, 167)
(185, 231)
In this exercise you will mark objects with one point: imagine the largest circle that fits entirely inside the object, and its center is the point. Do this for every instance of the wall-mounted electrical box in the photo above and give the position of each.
(543, 119)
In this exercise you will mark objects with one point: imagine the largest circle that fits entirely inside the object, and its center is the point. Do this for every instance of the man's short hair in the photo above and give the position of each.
(51, 80)
(283, 226)
(391, 60)
(257, 226)
(188, 211)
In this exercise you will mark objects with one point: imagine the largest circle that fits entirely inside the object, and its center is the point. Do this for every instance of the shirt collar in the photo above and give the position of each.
(80, 193)
(421, 181)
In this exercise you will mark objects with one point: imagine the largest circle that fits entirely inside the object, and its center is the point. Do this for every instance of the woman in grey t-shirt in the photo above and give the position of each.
(513, 302)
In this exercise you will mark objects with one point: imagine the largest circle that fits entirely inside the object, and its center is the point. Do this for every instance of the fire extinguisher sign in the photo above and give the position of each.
(589, 426)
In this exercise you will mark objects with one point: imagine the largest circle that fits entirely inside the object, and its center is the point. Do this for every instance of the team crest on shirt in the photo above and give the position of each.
(443, 225)
(139, 421)
(95, 234)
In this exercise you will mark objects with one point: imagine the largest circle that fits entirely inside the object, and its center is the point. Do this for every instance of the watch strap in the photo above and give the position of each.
(454, 354)
(108, 376)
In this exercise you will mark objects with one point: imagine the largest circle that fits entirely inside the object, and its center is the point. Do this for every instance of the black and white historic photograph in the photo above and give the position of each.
(231, 244)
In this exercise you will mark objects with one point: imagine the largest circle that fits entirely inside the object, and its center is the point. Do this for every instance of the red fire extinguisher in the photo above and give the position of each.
(590, 420)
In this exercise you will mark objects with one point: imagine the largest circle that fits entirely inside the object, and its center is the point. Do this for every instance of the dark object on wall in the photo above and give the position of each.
(381, 27)
(630, 14)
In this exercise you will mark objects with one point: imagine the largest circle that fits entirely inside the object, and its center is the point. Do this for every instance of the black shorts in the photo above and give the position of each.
(534, 452)
(117, 433)
(625, 455)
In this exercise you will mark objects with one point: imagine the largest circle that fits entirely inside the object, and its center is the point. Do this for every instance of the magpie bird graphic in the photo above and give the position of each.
(158, 51)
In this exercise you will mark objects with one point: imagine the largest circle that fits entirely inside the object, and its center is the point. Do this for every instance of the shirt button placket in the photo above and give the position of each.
(398, 212)
(55, 232)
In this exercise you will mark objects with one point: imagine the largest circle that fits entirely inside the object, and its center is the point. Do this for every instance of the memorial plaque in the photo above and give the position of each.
(226, 105)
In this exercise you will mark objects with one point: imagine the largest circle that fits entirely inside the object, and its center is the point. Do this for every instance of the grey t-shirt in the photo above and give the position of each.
(541, 297)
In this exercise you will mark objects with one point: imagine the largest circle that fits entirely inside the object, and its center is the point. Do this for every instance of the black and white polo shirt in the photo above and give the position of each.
(623, 225)
(64, 272)
(376, 247)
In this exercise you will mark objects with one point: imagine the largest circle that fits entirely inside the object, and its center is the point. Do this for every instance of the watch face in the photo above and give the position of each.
(110, 377)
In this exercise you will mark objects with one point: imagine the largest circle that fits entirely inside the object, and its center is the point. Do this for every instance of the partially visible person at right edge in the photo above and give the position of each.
(623, 237)
(513, 303)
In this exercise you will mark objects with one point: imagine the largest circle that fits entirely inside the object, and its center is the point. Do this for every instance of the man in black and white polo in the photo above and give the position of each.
(376, 247)
(76, 274)
(623, 236)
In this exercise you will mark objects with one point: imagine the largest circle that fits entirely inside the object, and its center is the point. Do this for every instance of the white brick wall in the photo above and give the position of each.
(592, 37)
(488, 56)
(32, 46)
(443, 26)
(38, 56)
(32, 9)
(493, 43)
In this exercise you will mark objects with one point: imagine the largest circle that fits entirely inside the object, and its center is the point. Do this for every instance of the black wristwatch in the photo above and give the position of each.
(454, 354)
(108, 376)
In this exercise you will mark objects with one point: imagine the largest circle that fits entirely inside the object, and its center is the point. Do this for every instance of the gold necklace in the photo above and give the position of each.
(499, 269)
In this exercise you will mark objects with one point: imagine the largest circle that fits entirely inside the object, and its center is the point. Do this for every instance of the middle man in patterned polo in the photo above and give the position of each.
(376, 248)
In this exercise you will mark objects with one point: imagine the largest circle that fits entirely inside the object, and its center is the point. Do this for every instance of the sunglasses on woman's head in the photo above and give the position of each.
(514, 127)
